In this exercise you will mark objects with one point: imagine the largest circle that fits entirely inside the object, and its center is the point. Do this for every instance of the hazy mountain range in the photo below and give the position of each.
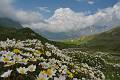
(74, 34)
(6, 22)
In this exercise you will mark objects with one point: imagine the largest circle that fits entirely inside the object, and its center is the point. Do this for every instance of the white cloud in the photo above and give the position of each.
(66, 20)
(25, 17)
(87, 1)
(91, 2)
(43, 9)
(6, 9)
(63, 19)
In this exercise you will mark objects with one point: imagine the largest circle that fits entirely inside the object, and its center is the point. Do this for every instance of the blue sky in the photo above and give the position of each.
(75, 5)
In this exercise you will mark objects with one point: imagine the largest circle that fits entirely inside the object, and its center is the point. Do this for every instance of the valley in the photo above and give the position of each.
(99, 52)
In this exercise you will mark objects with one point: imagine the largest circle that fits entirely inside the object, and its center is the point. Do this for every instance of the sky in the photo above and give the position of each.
(62, 15)
(50, 6)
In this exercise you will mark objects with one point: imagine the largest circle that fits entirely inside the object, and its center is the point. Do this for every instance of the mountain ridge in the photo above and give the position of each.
(105, 41)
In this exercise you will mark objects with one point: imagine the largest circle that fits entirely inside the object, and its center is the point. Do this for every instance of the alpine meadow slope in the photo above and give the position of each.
(105, 41)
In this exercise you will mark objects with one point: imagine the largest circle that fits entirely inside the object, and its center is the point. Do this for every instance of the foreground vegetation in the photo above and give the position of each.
(104, 61)
(32, 60)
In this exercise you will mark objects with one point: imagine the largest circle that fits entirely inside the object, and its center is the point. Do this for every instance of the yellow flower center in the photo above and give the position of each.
(16, 51)
(49, 72)
(5, 59)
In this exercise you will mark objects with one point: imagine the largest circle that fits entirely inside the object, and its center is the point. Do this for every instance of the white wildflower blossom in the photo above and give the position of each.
(6, 74)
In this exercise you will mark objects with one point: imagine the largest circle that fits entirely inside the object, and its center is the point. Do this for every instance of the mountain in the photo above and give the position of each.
(26, 33)
(19, 34)
(109, 40)
(105, 41)
(9, 23)
(90, 30)
(55, 36)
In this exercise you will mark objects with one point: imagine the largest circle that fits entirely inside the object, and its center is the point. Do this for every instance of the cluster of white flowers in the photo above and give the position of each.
(95, 60)
(41, 62)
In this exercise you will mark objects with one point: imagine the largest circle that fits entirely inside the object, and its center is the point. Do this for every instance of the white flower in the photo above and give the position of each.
(64, 67)
(42, 76)
(5, 59)
(44, 65)
(6, 74)
(24, 61)
(64, 71)
(9, 63)
(75, 79)
(60, 78)
(27, 54)
(50, 72)
(17, 58)
(22, 70)
(32, 68)
(83, 78)
(8, 54)
(33, 58)
(19, 44)
(48, 53)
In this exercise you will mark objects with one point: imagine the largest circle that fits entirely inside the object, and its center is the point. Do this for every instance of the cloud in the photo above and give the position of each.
(87, 1)
(91, 2)
(6, 9)
(25, 17)
(67, 20)
(43, 9)
(63, 19)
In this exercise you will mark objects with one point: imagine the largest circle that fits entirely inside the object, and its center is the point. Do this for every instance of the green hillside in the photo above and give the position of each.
(106, 41)
(26, 33)
(19, 34)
